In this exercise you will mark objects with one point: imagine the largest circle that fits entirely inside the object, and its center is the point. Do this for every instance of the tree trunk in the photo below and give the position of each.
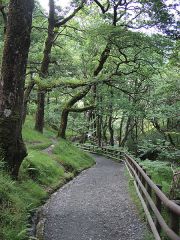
(79, 96)
(52, 24)
(104, 130)
(67, 109)
(15, 54)
(110, 121)
(121, 130)
(111, 131)
(103, 58)
(39, 124)
(26, 98)
(63, 125)
(142, 126)
(99, 129)
(99, 120)
(41, 95)
(127, 131)
(167, 136)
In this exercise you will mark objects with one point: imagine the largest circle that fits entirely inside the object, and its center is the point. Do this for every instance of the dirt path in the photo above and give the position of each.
(94, 206)
(49, 150)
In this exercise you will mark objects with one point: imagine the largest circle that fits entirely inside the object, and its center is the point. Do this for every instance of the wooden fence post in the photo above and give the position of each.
(159, 207)
(149, 190)
(174, 220)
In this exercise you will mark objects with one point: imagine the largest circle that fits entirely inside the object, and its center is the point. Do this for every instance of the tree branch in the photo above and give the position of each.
(82, 109)
(65, 20)
(103, 9)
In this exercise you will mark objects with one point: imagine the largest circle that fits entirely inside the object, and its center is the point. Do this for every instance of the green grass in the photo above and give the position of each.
(160, 172)
(17, 201)
(42, 168)
(40, 174)
(34, 139)
(72, 157)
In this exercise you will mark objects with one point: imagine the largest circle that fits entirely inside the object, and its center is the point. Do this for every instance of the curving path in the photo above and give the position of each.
(94, 206)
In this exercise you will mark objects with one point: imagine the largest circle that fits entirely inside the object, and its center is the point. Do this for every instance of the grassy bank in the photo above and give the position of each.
(40, 174)
(161, 174)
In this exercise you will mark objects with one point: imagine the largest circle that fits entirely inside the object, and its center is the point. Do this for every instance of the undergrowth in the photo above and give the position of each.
(160, 172)
(40, 174)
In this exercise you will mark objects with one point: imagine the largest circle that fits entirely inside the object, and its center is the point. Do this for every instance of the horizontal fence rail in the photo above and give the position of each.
(162, 213)
(107, 151)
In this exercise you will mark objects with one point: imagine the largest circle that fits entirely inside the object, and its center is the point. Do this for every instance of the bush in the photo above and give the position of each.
(165, 151)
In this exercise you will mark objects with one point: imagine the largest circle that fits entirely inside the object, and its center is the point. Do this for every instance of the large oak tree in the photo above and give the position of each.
(12, 79)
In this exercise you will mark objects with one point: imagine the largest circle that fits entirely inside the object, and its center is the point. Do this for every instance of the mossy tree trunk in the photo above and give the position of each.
(68, 108)
(41, 94)
(63, 124)
(102, 60)
(99, 129)
(104, 130)
(166, 136)
(53, 23)
(127, 131)
(111, 130)
(121, 130)
(110, 120)
(64, 117)
(26, 98)
(12, 79)
(99, 120)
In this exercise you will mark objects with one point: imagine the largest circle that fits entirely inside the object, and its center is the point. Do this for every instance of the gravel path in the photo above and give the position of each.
(94, 206)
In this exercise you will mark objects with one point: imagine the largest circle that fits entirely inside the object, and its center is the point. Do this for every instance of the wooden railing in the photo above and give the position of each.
(162, 213)
(107, 151)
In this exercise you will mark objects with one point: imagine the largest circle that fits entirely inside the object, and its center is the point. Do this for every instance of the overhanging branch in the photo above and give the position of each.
(65, 20)
(82, 109)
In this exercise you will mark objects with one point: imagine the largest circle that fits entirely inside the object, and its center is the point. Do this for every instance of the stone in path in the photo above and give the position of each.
(94, 206)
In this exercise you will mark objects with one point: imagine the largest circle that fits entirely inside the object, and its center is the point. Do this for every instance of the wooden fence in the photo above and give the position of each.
(162, 213)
